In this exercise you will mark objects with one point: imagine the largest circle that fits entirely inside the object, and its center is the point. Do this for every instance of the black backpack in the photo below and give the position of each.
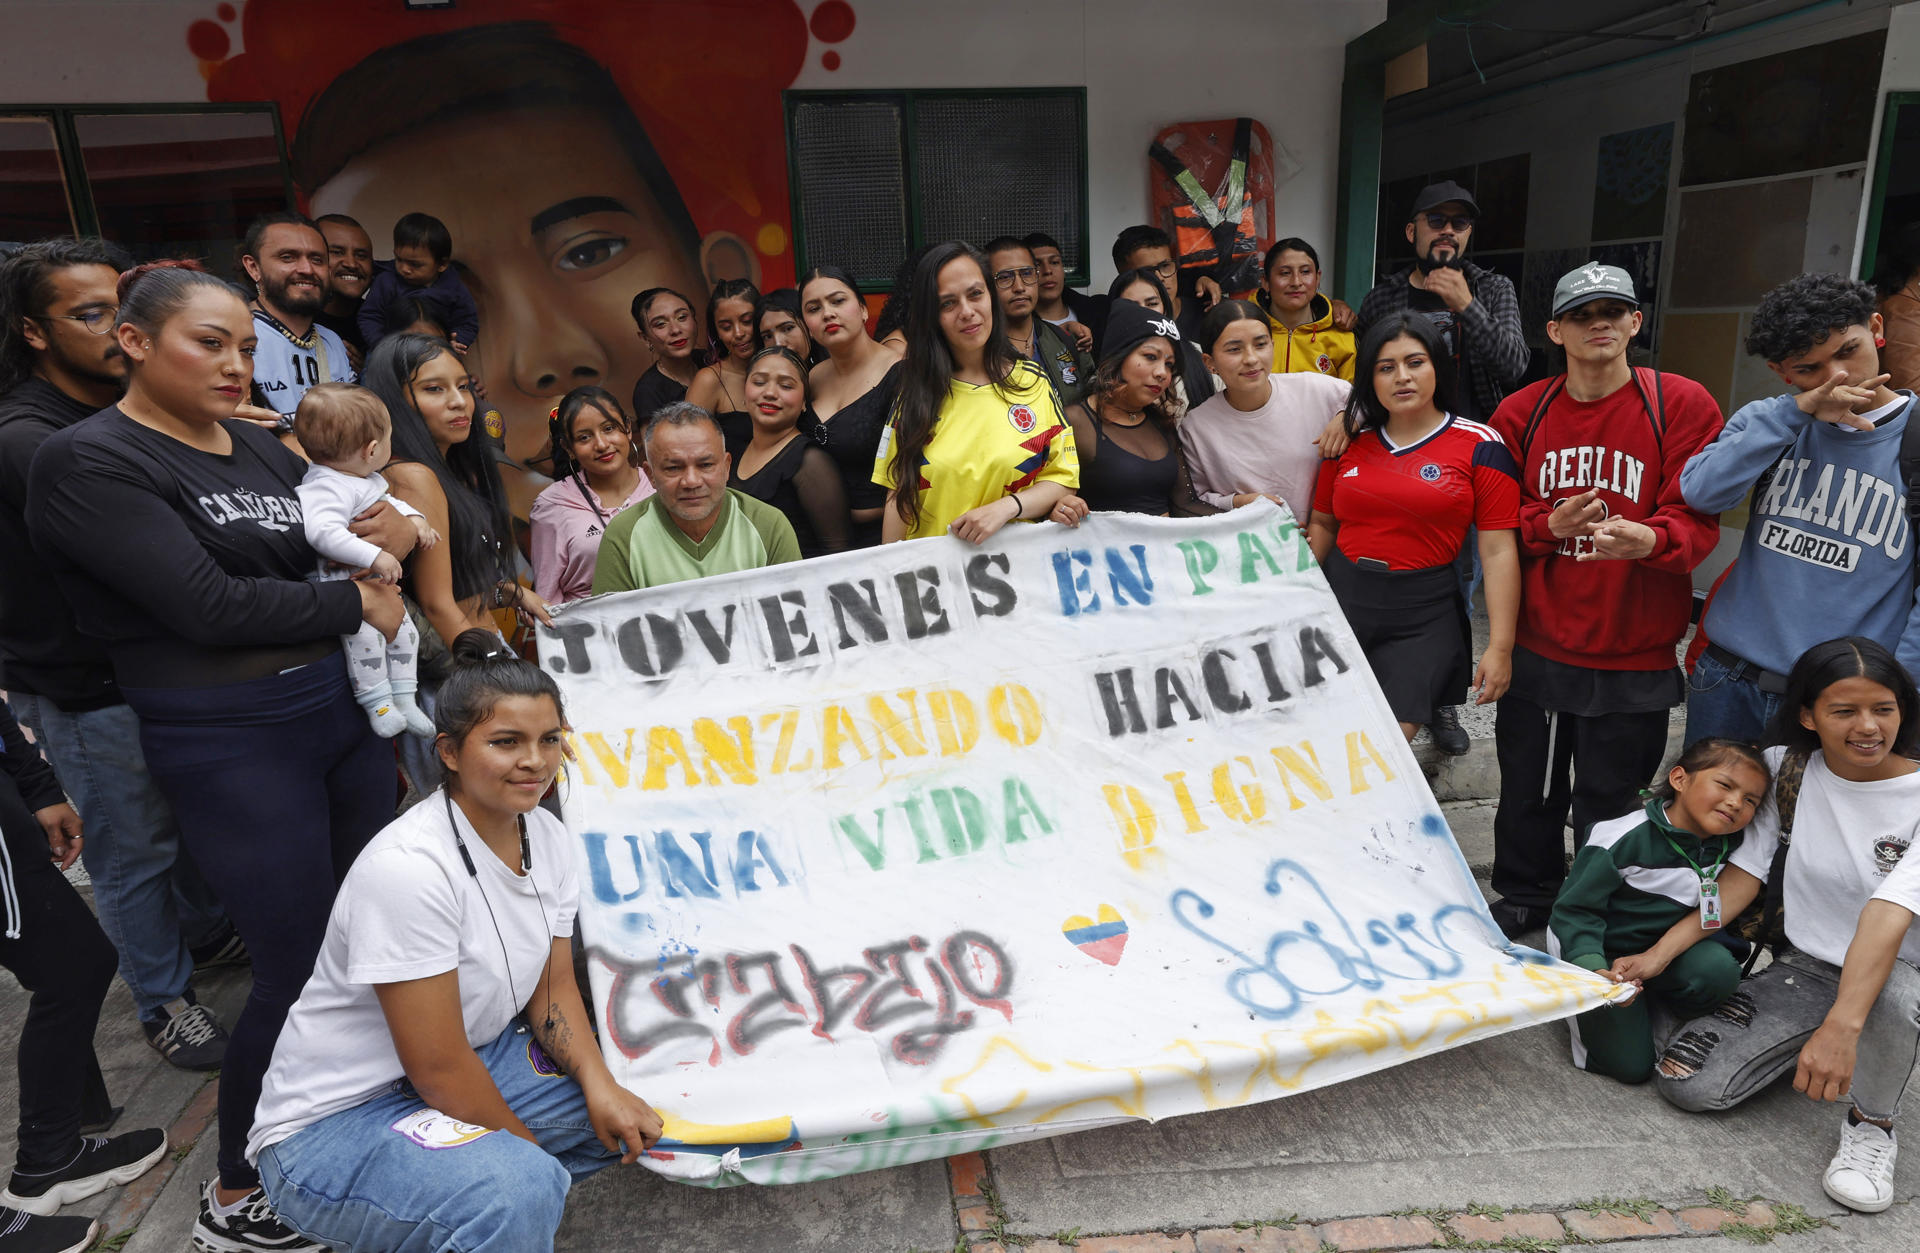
(1763, 923)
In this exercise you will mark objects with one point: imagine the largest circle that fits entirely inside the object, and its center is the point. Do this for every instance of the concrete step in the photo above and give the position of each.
(1476, 776)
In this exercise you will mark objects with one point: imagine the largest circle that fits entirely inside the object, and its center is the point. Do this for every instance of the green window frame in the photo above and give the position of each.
(63, 120)
(914, 159)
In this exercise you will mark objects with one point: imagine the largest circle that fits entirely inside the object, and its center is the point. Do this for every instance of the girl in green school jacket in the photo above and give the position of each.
(1648, 887)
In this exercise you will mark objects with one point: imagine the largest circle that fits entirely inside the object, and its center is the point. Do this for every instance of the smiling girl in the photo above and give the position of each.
(982, 427)
(598, 473)
(783, 467)
(732, 338)
(1391, 512)
(668, 329)
(438, 1084)
(1838, 1007)
(853, 390)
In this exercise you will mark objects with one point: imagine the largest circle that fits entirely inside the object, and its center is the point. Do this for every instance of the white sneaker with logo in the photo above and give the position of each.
(1860, 1176)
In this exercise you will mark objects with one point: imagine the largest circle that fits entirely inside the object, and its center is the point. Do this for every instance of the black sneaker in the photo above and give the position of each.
(1448, 735)
(189, 1036)
(220, 952)
(1515, 920)
(98, 1164)
(21, 1232)
(253, 1226)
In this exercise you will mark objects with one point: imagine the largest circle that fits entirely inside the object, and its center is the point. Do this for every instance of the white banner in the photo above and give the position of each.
(930, 848)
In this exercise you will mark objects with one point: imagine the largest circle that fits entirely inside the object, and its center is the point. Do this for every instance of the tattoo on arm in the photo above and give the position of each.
(555, 1034)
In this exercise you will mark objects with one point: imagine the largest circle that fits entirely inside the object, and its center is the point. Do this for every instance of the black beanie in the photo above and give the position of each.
(1128, 324)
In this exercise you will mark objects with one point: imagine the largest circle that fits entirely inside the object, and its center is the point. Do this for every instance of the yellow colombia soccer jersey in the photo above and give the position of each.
(988, 442)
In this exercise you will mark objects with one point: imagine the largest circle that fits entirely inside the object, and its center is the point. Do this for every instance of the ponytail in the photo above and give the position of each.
(486, 672)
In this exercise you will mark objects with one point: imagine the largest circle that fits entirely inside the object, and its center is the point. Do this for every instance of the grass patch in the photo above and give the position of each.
(1631, 1207)
(118, 1241)
(1069, 1237)
(1493, 1213)
(1788, 1220)
(1721, 1198)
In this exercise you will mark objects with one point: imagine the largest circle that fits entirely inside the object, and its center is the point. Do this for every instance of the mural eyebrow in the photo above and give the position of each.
(579, 206)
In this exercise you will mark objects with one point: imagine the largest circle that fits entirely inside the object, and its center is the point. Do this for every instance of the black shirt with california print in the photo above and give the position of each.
(192, 567)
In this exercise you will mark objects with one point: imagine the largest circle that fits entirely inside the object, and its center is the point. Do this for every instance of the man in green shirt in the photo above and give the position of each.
(694, 525)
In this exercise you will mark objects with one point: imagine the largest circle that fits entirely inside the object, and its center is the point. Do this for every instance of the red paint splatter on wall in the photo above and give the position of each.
(830, 60)
(207, 41)
(226, 12)
(832, 21)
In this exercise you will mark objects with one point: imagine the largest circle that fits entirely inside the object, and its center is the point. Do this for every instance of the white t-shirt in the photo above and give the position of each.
(286, 369)
(1848, 846)
(1270, 450)
(408, 910)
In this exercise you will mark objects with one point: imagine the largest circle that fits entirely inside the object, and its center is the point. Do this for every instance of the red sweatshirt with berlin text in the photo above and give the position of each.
(1609, 615)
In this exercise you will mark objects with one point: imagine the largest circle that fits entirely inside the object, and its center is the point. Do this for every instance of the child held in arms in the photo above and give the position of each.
(347, 432)
(422, 262)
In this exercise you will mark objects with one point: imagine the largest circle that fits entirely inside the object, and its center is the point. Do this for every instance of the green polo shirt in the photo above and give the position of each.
(644, 548)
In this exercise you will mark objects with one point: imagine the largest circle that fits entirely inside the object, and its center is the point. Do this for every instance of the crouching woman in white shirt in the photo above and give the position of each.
(1839, 1008)
(437, 1085)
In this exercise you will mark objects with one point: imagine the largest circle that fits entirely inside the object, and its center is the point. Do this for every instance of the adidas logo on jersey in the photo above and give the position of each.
(1351, 472)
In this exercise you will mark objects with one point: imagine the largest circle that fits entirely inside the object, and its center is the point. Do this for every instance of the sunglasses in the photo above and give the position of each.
(1440, 221)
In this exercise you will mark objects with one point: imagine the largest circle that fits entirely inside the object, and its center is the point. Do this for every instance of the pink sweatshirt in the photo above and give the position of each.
(1269, 450)
(566, 537)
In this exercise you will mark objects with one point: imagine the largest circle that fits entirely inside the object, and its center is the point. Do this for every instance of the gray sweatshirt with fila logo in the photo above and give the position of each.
(1828, 549)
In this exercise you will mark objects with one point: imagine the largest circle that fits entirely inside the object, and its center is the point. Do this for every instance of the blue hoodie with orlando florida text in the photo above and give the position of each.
(1828, 550)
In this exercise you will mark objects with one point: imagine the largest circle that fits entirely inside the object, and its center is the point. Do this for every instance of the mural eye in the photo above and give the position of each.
(591, 253)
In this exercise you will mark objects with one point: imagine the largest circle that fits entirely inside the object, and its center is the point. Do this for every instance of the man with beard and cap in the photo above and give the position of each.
(285, 256)
(1478, 317)
(349, 274)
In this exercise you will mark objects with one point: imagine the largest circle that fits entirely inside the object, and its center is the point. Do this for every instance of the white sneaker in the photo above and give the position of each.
(1860, 1176)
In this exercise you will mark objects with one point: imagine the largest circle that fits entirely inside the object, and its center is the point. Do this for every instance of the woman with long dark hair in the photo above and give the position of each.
(777, 323)
(666, 323)
(980, 426)
(1390, 513)
(174, 530)
(453, 481)
(597, 472)
(732, 338)
(853, 390)
(1130, 459)
(784, 466)
(1838, 1007)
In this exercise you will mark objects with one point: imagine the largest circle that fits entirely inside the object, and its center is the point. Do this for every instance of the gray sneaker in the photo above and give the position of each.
(189, 1036)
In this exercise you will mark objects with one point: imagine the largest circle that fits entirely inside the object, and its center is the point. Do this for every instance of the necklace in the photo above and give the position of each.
(1139, 417)
(307, 341)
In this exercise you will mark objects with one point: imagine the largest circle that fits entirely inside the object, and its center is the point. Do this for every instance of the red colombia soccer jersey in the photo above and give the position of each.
(1410, 507)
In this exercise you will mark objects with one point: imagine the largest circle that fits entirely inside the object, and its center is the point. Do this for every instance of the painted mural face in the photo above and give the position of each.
(554, 230)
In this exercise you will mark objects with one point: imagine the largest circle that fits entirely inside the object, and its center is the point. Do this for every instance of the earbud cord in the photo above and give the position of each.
(526, 864)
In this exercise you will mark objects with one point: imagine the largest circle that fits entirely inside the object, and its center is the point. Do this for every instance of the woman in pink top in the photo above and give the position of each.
(1263, 434)
(597, 473)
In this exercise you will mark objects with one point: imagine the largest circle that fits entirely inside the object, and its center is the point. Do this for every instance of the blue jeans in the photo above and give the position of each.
(1727, 701)
(355, 1182)
(153, 902)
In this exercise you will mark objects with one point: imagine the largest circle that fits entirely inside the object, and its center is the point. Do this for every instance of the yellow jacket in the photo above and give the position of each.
(1316, 345)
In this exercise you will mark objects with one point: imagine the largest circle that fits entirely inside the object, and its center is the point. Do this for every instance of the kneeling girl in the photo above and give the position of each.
(437, 1084)
(1648, 887)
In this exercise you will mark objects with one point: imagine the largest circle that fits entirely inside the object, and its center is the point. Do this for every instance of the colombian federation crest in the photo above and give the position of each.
(1022, 418)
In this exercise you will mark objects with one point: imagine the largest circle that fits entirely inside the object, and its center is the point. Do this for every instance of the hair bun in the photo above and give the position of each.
(138, 272)
(478, 646)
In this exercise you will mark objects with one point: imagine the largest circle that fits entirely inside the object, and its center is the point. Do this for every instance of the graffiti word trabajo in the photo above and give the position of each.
(1235, 790)
(879, 727)
(908, 989)
(946, 822)
(1318, 951)
(1232, 677)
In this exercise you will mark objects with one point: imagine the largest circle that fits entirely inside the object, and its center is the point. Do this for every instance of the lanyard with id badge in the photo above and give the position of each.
(1710, 919)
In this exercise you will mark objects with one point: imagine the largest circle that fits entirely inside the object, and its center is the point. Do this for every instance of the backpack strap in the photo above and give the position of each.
(1910, 468)
(1786, 798)
(1538, 416)
(1655, 406)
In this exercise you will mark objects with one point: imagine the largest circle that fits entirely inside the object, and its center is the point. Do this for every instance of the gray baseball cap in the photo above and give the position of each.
(1591, 282)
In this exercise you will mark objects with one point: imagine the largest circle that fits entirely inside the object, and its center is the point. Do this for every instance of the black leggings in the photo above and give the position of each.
(64, 960)
(277, 783)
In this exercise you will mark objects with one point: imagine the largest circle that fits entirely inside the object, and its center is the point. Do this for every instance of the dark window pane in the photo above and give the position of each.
(174, 184)
(850, 189)
(993, 165)
(35, 206)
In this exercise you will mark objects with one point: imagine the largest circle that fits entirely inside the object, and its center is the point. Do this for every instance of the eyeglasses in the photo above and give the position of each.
(1003, 279)
(1440, 221)
(1164, 270)
(99, 321)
